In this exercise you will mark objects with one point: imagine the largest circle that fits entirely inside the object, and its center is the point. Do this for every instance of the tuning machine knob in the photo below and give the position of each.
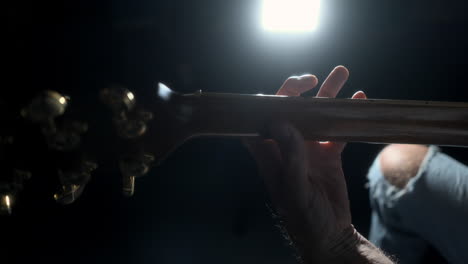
(133, 125)
(10, 190)
(133, 167)
(129, 122)
(47, 105)
(44, 109)
(6, 203)
(12, 179)
(118, 99)
(73, 182)
(68, 137)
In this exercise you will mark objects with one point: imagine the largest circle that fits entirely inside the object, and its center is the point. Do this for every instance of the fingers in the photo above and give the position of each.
(330, 88)
(334, 82)
(359, 95)
(296, 85)
(339, 146)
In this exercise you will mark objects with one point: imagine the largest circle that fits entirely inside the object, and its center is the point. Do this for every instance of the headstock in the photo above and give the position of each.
(41, 129)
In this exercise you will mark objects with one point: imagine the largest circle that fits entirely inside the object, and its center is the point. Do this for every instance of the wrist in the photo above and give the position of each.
(344, 244)
(340, 248)
(350, 247)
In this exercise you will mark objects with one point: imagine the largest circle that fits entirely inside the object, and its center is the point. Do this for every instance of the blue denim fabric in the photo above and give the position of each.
(431, 210)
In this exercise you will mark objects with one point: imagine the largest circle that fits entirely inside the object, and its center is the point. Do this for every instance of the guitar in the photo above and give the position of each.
(147, 134)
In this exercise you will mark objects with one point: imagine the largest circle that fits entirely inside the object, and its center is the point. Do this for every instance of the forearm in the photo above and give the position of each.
(348, 248)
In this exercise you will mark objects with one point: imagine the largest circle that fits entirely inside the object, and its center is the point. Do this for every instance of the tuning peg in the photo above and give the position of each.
(128, 185)
(134, 126)
(67, 137)
(6, 203)
(118, 99)
(130, 123)
(45, 107)
(10, 189)
(43, 110)
(132, 167)
(68, 194)
(144, 116)
(73, 182)
(7, 191)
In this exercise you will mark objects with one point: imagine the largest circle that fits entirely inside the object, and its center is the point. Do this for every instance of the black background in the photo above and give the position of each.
(205, 203)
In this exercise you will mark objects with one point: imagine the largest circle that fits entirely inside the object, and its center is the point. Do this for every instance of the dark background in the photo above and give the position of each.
(205, 204)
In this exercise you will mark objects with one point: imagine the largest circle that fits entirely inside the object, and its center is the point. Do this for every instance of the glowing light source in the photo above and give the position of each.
(290, 15)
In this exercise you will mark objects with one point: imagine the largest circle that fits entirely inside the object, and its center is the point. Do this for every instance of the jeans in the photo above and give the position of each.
(431, 210)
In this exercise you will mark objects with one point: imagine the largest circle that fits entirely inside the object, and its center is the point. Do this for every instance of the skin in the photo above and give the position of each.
(400, 162)
(306, 184)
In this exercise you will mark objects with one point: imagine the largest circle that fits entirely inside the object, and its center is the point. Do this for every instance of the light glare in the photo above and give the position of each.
(163, 91)
(7, 200)
(290, 15)
(130, 96)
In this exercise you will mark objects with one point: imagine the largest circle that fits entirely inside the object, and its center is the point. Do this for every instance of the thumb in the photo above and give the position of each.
(268, 160)
(293, 151)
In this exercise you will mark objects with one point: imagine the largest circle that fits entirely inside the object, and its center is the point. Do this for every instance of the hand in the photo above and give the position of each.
(305, 179)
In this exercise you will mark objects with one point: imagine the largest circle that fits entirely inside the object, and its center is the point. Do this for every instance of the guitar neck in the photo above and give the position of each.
(327, 119)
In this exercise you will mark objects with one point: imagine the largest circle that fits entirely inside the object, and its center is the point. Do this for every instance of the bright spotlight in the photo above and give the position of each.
(290, 15)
